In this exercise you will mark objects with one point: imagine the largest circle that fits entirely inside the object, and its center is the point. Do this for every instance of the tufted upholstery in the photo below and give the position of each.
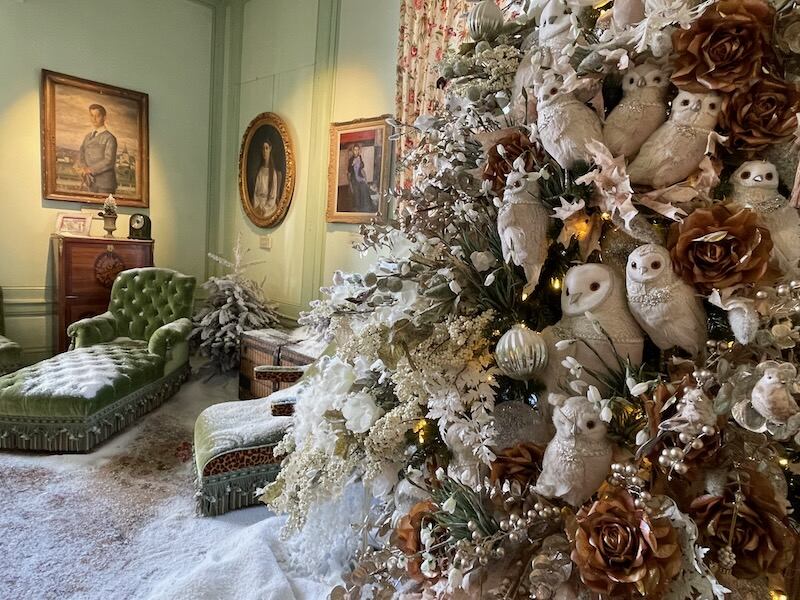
(80, 382)
(142, 301)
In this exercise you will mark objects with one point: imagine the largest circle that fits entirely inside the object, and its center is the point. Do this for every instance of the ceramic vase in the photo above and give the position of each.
(110, 224)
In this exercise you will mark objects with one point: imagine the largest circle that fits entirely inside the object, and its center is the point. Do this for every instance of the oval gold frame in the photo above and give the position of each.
(285, 200)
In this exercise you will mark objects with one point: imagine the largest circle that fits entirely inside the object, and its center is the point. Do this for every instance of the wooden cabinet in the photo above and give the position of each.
(85, 269)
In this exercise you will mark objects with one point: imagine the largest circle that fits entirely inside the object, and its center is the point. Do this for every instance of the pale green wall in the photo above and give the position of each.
(162, 47)
(311, 62)
(364, 87)
(209, 67)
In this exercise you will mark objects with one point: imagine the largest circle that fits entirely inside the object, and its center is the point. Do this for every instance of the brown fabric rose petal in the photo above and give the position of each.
(406, 536)
(762, 115)
(762, 540)
(515, 144)
(521, 463)
(621, 551)
(727, 49)
(718, 248)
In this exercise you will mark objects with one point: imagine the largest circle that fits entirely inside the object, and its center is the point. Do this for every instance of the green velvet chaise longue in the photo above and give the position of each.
(122, 364)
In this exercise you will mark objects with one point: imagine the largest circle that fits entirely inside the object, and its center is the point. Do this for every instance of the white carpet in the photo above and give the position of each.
(119, 523)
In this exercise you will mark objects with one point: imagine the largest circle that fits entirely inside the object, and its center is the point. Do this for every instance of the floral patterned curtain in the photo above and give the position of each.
(427, 29)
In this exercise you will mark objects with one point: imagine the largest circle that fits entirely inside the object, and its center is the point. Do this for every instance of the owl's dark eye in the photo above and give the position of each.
(712, 106)
(745, 174)
(594, 286)
(633, 264)
(553, 91)
(685, 103)
(657, 80)
(630, 80)
(656, 264)
(769, 176)
(589, 424)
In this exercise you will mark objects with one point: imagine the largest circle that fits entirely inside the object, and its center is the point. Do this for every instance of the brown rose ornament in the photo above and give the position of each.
(621, 551)
(726, 49)
(521, 463)
(406, 536)
(515, 143)
(762, 115)
(759, 535)
(718, 248)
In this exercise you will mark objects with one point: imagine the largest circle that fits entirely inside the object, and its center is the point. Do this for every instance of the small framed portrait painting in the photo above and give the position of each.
(266, 170)
(359, 171)
(70, 223)
(94, 141)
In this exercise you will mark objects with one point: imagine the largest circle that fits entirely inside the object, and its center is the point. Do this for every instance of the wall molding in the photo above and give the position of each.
(328, 15)
(19, 301)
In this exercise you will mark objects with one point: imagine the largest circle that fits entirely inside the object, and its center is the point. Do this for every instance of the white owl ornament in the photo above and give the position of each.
(642, 110)
(578, 459)
(565, 123)
(755, 186)
(675, 150)
(592, 293)
(522, 225)
(662, 303)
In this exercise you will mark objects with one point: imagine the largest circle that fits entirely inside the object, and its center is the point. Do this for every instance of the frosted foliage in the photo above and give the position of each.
(323, 549)
(234, 304)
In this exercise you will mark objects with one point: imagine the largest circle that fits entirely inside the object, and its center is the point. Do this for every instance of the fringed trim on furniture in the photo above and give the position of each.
(218, 494)
(82, 434)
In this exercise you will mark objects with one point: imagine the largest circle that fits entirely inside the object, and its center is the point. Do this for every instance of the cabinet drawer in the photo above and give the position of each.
(92, 268)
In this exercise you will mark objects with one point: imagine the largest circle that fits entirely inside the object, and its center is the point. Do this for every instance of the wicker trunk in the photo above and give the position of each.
(272, 347)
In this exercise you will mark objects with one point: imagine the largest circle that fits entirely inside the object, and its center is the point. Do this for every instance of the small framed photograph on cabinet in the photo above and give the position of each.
(70, 223)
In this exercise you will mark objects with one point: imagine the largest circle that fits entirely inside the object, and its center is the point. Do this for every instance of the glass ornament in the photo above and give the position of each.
(485, 21)
(521, 353)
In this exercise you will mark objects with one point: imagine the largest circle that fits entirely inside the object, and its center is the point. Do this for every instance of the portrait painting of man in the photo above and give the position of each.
(359, 173)
(98, 155)
(94, 141)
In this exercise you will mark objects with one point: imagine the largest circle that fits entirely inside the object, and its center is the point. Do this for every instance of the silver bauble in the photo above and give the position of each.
(521, 353)
(485, 21)
(515, 422)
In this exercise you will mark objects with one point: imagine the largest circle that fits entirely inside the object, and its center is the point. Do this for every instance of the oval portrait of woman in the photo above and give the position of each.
(266, 170)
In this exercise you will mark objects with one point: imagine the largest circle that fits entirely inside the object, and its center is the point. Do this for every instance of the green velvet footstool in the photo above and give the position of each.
(233, 451)
(125, 363)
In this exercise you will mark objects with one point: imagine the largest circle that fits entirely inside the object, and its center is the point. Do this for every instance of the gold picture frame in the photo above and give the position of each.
(267, 170)
(95, 141)
(359, 171)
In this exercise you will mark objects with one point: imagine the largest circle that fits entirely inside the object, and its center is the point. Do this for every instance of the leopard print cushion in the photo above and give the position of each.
(240, 459)
(279, 376)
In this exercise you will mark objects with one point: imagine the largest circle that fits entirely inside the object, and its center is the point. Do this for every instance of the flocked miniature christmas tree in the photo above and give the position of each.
(234, 304)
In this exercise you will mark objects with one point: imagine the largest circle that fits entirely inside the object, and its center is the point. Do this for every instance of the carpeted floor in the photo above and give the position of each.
(120, 522)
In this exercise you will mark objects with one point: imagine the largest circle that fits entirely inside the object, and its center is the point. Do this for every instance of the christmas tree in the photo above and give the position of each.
(578, 378)
(233, 304)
